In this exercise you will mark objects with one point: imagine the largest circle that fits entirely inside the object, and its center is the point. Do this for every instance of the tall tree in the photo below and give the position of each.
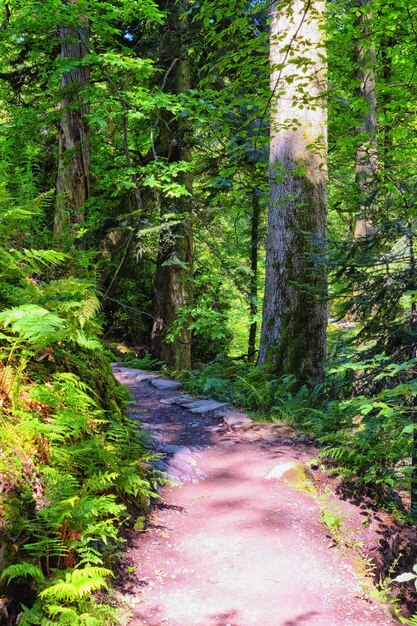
(366, 161)
(293, 336)
(72, 183)
(175, 258)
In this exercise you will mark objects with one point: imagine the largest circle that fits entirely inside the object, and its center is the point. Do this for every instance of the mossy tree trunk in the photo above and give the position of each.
(293, 337)
(72, 184)
(173, 278)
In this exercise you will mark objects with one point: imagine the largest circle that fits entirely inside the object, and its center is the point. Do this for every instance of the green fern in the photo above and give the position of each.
(22, 569)
(36, 260)
(31, 616)
(77, 584)
(61, 614)
(34, 324)
(101, 481)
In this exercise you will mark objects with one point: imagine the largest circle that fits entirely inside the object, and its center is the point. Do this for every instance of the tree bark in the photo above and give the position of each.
(293, 336)
(387, 73)
(173, 278)
(253, 285)
(72, 184)
(366, 159)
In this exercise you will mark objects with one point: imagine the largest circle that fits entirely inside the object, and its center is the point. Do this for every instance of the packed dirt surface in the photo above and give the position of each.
(238, 539)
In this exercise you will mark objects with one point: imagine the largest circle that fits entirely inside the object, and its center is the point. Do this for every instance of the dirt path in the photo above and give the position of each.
(236, 542)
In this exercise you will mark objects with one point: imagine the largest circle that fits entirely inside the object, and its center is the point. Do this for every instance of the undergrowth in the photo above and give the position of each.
(73, 468)
(254, 390)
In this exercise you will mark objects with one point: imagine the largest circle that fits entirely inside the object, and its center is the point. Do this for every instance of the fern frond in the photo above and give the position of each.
(89, 556)
(96, 506)
(72, 381)
(65, 612)
(51, 546)
(33, 324)
(31, 617)
(78, 583)
(15, 215)
(60, 592)
(88, 620)
(38, 259)
(90, 572)
(23, 569)
(88, 310)
(89, 343)
(101, 481)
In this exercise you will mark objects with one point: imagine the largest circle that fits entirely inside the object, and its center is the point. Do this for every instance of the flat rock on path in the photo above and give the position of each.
(234, 541)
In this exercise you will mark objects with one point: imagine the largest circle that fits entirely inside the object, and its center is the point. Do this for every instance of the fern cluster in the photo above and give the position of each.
(72, 466)
(70, 473)
(252, 389)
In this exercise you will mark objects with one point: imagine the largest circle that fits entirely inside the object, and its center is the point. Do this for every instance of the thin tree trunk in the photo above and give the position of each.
(173, 279)
(253, 285)
(72, 184)
(366, 159)
(293, 336)
(386, 60)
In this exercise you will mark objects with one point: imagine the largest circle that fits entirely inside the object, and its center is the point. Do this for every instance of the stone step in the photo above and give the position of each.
(163, 384)
(128, 371)
(146, 376)
(206, 406)
(183, 400)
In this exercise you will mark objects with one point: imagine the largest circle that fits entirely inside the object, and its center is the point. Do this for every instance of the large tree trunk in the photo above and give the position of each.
(366, 161)
(173, 279)
(74, 154)
(293, 337)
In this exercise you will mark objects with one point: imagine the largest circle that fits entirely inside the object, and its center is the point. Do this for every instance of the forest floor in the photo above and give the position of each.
(242, 536)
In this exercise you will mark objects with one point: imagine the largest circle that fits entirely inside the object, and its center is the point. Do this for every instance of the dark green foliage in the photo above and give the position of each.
(370, 435)
(207, 317)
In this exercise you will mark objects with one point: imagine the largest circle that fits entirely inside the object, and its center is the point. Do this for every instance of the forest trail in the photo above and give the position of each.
(236, 542)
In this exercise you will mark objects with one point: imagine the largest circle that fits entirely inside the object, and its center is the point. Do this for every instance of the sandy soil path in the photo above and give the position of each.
(234, 543)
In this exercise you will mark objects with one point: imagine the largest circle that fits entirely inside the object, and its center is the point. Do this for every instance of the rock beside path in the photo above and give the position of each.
(235, 419)
(166, 385)
(206, 406)
(143, 377)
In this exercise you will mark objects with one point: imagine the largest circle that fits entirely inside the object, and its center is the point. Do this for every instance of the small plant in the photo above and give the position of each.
(331, 514)
(146, 363)
(66, 598)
